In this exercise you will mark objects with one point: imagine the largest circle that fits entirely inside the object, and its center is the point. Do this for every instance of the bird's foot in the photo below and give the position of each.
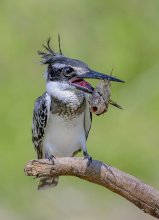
(89, 158)
(50, 158)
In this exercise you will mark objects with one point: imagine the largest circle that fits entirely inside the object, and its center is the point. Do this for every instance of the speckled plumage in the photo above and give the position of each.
(68, 109)
(45, 106)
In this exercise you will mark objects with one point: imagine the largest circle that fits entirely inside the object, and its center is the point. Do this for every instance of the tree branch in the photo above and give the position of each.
(142, 195)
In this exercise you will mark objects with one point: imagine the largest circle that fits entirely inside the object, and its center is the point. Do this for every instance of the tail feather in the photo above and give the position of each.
(47, 182)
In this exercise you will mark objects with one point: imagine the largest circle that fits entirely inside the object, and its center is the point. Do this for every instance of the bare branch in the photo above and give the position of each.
(142, 195)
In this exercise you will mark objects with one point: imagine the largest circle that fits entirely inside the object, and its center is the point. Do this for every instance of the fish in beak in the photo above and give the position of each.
(79, 82)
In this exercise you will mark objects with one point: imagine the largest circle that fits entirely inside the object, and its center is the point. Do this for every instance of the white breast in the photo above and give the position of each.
(63, 137)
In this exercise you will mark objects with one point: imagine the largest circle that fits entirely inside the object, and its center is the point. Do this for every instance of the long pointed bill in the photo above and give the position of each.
(96, 75)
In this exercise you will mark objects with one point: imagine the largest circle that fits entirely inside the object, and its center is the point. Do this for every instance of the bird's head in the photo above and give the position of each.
(70, 72)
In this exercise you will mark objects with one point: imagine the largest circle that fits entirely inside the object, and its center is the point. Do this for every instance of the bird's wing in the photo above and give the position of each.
(87, 117)
(39, 123)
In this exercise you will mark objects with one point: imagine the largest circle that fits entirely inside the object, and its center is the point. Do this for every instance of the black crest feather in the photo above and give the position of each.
(50, 55)
(59, 41)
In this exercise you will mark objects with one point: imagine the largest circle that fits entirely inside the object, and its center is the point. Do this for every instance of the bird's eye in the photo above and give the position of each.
(67, 71)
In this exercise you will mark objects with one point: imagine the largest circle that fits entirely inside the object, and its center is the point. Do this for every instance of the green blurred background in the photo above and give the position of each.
(123, 34)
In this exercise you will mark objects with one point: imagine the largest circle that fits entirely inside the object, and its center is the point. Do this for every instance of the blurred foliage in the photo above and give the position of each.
(122, 34)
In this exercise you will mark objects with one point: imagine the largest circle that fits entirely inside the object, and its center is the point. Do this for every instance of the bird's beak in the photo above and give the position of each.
(96, 75)
(79, 82)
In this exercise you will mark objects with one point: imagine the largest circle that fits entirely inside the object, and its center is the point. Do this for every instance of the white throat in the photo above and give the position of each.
(60, 90)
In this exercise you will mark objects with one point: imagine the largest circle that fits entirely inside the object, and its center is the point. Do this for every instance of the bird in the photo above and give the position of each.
(61, 117)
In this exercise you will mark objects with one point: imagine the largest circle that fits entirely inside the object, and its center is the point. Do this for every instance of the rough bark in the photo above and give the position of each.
(142, 195)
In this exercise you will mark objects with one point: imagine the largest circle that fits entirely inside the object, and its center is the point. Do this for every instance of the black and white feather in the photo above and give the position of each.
(39, 123)
(87, 117)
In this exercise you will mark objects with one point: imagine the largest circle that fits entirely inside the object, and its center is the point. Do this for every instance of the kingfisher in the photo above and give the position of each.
(61, 116)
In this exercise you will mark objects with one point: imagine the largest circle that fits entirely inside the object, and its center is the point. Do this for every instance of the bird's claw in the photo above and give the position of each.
(51, 158)
(89, 158)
